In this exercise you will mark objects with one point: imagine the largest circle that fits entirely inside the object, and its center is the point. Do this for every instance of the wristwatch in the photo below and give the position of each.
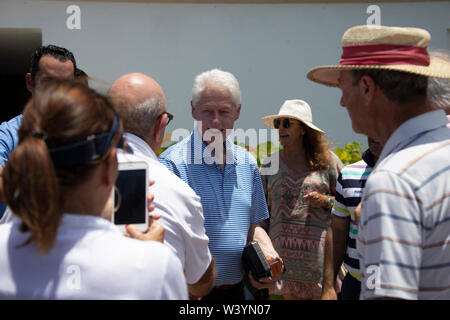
(330, 202)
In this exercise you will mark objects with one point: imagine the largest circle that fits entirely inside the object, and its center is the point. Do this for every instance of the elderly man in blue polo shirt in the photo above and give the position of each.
(226, 178)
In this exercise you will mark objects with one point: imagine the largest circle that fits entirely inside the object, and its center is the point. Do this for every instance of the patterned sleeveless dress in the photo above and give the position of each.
(297, 230)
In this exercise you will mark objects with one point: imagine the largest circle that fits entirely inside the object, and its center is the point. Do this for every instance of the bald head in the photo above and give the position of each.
(140, 102)
(135, 88)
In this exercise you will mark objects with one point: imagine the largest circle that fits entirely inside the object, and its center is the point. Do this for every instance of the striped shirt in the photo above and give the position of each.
(404, 227)
(350, 184)
(232, 198)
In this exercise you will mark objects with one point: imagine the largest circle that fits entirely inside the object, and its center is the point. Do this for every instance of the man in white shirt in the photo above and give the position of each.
(142, 106)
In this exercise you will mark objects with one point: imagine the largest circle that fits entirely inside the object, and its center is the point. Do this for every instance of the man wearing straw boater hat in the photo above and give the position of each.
(403, 235)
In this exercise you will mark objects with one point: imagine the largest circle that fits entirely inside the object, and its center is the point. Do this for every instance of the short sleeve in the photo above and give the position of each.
(265, 182)
(259, 211)
(340, 208)
(197, 257)
(8, 138)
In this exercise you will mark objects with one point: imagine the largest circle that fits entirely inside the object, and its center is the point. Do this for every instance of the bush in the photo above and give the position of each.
(262, 151)
(165, 140)
(351, 154)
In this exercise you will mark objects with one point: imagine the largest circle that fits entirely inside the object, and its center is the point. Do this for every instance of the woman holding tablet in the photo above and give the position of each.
(58, 182)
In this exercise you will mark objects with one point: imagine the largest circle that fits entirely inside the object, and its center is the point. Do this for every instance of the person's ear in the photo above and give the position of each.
(367, 88)
(29, 82)
(159, 128)
(238, 112)
(193, 111)
(109, 169)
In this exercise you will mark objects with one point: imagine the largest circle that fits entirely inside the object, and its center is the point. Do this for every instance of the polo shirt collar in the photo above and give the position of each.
(409, 130)
(202, 152)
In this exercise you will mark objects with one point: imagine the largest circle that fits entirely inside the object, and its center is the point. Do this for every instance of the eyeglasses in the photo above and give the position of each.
(169, 117)
(286, 123)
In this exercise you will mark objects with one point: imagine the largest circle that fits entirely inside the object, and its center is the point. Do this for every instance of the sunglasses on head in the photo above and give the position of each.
(277, 122)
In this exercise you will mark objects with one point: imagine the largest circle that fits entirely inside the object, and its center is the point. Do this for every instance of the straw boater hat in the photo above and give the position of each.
(294, 109)
(380, 47)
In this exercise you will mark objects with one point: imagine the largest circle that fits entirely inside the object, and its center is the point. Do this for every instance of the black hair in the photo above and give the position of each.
(81, 76)
(80, 73)
(59, 53)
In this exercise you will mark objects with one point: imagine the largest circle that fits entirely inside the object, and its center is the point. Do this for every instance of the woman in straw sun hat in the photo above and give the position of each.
(300, 196)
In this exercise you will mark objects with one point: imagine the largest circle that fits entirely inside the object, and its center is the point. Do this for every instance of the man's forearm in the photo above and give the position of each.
(340, 240)
(335, 248)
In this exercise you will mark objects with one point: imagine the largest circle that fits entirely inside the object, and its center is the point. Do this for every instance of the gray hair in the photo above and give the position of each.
(217, 79)
(438, 88)
(140, 119)
(398, 86)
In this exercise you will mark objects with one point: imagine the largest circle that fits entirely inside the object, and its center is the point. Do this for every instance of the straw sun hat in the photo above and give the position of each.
(381, 47)
(293, 109)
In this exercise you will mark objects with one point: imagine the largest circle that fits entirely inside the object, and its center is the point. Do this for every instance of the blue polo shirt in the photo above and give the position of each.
(232, 198)
(8, 142)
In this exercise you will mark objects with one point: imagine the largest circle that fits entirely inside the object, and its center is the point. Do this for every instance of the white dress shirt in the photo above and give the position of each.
(91, 259)
(180, 208)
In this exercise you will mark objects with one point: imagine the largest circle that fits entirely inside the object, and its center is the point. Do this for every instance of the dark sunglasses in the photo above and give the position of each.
(286, 123)
(169, 117)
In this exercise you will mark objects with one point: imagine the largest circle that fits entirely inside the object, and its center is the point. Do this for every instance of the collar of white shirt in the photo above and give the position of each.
(140, 146)
(84, 221)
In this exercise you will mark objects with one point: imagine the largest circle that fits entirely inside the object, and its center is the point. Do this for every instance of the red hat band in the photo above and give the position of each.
(384, 54)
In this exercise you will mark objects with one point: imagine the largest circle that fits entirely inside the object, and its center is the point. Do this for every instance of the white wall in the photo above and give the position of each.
(268, 47)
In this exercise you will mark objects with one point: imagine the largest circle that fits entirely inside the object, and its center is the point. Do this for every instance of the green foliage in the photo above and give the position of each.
(350, 154)
(262, 151)
(165, 141)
